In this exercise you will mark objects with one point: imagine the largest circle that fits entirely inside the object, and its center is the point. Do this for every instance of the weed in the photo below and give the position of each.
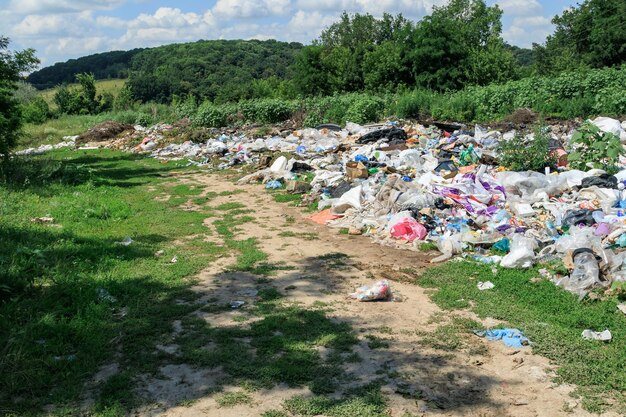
(231, 399)
(553, 327)
(376, 342)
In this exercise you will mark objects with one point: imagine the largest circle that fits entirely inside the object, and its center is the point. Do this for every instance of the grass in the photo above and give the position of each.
(113, 86)
(231, 399)
(366, 401)
(551, 318)
(57, 327)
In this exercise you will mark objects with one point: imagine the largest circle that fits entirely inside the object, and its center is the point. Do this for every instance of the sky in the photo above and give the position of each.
(63, 29)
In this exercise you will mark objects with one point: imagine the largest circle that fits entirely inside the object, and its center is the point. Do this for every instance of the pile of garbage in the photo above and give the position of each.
(415, 184)
(405, 185)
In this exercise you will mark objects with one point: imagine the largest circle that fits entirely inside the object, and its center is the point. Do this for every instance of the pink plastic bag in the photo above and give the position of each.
(408, 229)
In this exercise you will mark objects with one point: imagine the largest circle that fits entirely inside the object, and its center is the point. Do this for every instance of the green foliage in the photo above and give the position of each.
(589, 35)
(114, 64)
(210, 115)
(11, 65)
(124, 99)
(521, 154)
(36, 111)
(220, 71)
(364, 109)
(414, 104)
(82, 100)
(266, 110)
(461, 43)
(593, 148)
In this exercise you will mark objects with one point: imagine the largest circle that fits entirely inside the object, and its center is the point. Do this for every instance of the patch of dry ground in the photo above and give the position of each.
(426, 377)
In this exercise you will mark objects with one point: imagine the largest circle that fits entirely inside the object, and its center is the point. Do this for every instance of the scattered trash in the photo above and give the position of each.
(273, 185)
(103, 295)
(400, 183)
(159, 253)
(236, 304)
(377, 291)
(487, 285)
(127, 241)
(42, 220)
(622, 307)
(604, 336)
(174, 260)
(510, 337)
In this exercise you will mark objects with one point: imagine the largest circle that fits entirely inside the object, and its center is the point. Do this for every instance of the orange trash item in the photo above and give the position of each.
(323, 216)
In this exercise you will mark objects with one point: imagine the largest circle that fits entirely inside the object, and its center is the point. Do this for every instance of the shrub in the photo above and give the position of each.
(36, 111)
(593, 148)
(210, 115)
(416, 104)
(364, 109)
(266, 110)
(520, 154)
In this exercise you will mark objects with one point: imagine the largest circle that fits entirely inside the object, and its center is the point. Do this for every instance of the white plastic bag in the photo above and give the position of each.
(522, 254)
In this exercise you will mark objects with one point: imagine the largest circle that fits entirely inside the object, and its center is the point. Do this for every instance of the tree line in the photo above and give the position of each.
(459, 46)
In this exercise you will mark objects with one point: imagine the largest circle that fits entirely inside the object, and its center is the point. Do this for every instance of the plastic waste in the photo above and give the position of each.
(487, 285)
(606, 124)
(502, 245)
(604, 336)
(584, 276)
(127, 241)
(408, 229)
(522, 252)
(279, 165)
(273, 185)
(448, 246)
(510, 337)
(378, 291)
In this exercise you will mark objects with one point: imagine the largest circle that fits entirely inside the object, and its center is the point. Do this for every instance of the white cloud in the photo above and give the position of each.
(245, 9)
(520, 7)
(526, 30)
(63, 29)
(61, 6)
(38, 26)
(166, 25)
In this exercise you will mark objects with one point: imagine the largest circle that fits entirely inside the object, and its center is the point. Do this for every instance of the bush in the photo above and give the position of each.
(36, 111)
(266, 110)
(364, 109)
(210, 115)
(593, 148)
(520, 154)
(416, 104)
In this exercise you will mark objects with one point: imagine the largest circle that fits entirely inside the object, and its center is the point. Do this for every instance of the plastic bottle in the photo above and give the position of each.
(586, 271)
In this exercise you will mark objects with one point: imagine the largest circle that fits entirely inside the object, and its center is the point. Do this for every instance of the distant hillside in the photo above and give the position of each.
(219, 70)
(524, 56)
(114, 64)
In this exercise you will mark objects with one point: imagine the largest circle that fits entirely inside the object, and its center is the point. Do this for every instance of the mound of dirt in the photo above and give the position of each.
(104, 131)
(521, 117)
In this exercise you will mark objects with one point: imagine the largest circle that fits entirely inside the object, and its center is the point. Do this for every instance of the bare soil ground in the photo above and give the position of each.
(426, 374)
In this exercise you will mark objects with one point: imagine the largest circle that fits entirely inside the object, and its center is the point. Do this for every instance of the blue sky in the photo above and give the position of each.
(64, 29)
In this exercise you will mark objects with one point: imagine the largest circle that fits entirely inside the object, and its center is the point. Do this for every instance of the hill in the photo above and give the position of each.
(114, 64)
(219, 70)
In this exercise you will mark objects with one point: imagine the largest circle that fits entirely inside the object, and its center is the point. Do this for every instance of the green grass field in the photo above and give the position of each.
(102, 86)
(73, 299)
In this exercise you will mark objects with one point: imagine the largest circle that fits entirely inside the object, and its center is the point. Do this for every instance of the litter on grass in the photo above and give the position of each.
(510, 337)
(403, 183)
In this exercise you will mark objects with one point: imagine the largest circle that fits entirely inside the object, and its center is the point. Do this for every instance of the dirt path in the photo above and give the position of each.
(428, 371)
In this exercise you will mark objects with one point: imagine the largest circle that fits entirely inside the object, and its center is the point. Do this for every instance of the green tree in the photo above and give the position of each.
(12, 64)
(593, 34)
(452, 45)
(356, 52)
